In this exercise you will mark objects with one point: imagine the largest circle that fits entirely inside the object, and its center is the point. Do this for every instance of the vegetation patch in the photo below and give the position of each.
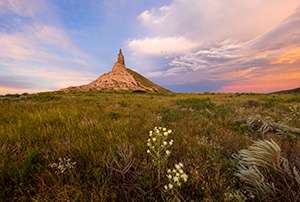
(195, 103)
(125, 146)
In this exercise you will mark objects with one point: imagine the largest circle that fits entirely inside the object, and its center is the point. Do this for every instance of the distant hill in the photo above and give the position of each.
(295, 91)
(119, 79)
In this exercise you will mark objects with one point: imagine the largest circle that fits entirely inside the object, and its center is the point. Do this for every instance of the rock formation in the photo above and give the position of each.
(120, 64)
(121, 58)
(120, 78)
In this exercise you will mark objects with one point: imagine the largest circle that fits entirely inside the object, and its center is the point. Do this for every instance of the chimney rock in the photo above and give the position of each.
(121, 58)
(120, 64)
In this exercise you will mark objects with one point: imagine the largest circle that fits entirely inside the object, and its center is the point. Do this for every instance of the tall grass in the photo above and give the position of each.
(106, 135)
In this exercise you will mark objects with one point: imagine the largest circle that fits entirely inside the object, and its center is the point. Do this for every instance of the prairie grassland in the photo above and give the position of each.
(93, 146)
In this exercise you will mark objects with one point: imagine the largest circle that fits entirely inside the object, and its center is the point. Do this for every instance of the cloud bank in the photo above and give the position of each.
(249, 45)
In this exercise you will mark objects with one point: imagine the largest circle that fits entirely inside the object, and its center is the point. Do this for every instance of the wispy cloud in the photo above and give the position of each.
(244, 42)
(34, 43)
(15, 82)
(162, 46)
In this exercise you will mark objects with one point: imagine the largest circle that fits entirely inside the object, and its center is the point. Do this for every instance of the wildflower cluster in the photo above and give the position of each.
(159, 118)
(176, 176)
(158, 147)
(158, 143)
(295, 111)
(63, 165)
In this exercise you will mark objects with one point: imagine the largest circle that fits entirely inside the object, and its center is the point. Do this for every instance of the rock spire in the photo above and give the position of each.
(119, 79)
(120, 64)
(121, 58)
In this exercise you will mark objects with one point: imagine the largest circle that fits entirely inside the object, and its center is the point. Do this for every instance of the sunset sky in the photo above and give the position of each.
(182, 45)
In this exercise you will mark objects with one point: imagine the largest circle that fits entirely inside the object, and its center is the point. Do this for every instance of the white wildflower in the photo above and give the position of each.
(184, 177)
(176, 179)
(63, 165)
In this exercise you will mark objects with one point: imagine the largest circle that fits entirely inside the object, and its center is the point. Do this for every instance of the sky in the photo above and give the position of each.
(183, 45)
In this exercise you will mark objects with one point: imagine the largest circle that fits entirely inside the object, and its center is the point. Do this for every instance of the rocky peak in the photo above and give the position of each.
(121, 58)
(119, 79)
(120, 64)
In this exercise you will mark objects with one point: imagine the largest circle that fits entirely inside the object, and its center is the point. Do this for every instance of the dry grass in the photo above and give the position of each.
(91, 129)
(267, 174)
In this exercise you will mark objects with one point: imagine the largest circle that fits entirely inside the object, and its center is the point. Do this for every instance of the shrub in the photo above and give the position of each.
(170, 115)
(122, 103)
(112, 115)
(123, 173)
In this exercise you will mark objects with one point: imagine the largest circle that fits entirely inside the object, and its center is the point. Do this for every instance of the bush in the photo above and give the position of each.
(170, 115)
(112, 115)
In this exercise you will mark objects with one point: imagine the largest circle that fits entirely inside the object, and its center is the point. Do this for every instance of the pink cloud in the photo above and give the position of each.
(6, 90)
(40, 47)
(204, 22)
(259, 88)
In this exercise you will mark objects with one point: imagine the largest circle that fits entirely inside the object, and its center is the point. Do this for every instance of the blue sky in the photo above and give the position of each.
(183, 45)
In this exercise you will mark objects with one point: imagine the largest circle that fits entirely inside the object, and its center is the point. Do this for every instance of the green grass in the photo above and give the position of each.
(92, 128)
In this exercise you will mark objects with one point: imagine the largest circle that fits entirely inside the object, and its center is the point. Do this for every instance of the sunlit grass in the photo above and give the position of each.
(38, 130)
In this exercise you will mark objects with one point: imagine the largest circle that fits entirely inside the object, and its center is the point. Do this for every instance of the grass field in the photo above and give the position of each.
(93, 146)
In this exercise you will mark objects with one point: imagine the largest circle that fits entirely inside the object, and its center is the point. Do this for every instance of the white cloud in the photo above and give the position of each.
(155, 16)
(229, 41)
(188, 24)
(161, 45)
(21, 8)
(212, 21)
(68, 83)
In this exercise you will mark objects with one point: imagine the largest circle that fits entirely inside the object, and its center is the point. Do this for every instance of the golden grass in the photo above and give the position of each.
(86, 127)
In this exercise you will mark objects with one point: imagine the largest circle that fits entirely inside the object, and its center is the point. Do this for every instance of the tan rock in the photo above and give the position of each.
(121, 59)
(120, 78)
